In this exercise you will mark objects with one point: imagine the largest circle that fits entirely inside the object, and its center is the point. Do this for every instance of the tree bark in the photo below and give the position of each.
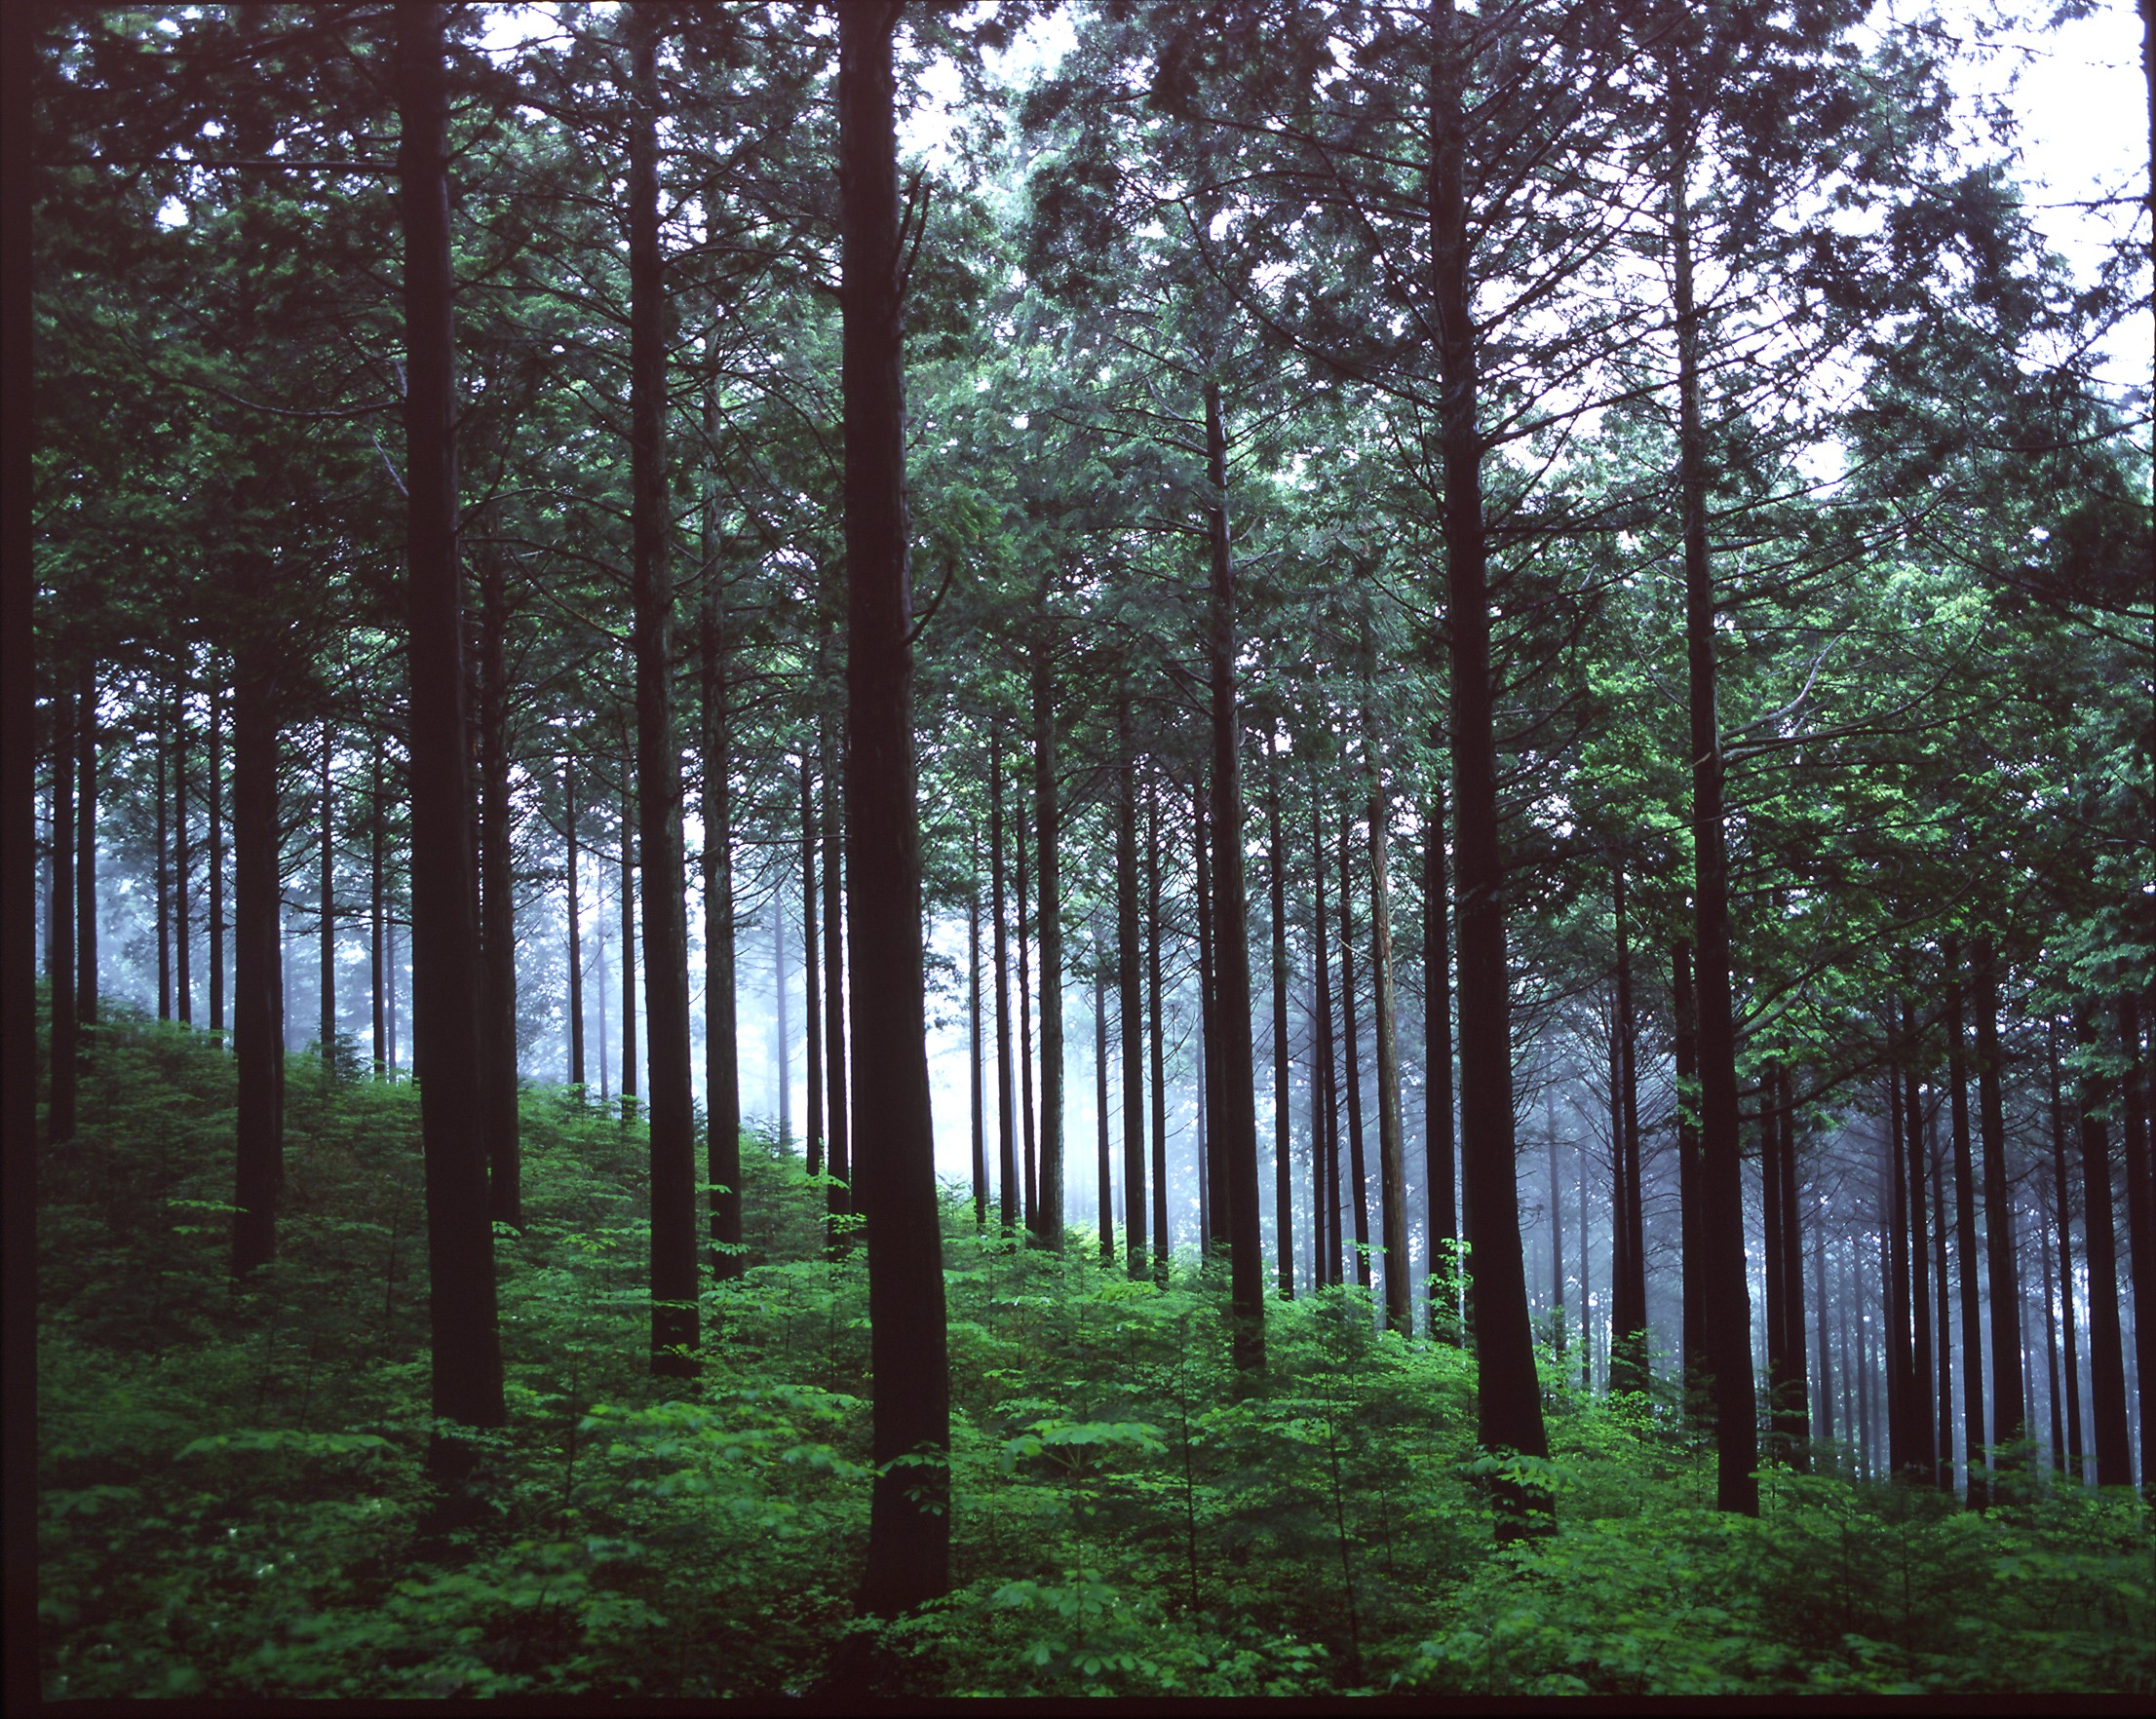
(812, 1026)
(326, 1036)
(378, 917)
(1392, 1169)
(1684, 1056)
(1965, 1237)
(257, 983)
(2071, 1343)
(910, 1513)
(1161, 1246)
(629, 948)
(1351, 1072)
(1129, 1001)
(2141, 1232)
(2106, 1354)
(215, 807)
(837, 1110)
(721, 1051)
(1284, 1192)
(86, 850)
(183, 868)
(1437, 1041)
(1628, 1349)
(1325, 1151)
(158, 748)
(1721, 1230)
(1213, 1206)
(973, 1018)
(1031, 1141)
(1048, 848)
(576, 932)
(1924, 1452)
(1009, 1211)
(467, 1364)
(1104, 1194)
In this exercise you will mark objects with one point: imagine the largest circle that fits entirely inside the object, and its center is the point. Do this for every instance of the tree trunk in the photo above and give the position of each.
(2072, 1356)
(1235, 1138)
(327, 1033)
(1924, 1452)
(2051, 1354)
(721, 1050)
(973, 1018)
(377, 918)
(1030, 1143)
(163, 879)
(629, 950)
(1943, 1421)
(467, 1364)
(1213, 1204)
(2010, 1389)
(1445, 1260)
(1798, 1409)
(258, 986)
(1104, 1194)
(1628, 1328)
(86, 850)
(812, 1033)
(60, 943)
(1721, 1229)
(1773, 1268)
(1965, 1234)
(1162, 1244)
(1009, 1211)
(837, 1110)
(1129, 1001)
(1048, 848)
(1392, 1169)
(215, 805)
(909, 1514)
(2140, 1234)
(2106, 1354)
(1325, 1151)
(183, 870)
(781, 1035)
(1351, 1072)
(1823, 1393)
(497, 907)
(1284, 1192)
(576, 932)
(1684, 1056)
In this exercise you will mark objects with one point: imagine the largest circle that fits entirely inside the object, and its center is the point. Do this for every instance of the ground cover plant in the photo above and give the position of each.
(234, 1497)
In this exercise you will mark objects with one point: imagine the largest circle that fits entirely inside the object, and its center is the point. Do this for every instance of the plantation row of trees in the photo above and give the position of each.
(1539, 614)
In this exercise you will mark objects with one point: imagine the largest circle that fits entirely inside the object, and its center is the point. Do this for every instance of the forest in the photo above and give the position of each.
(1078, 847)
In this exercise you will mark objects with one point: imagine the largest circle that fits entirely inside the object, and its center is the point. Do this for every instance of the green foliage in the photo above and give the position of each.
(234, 1500)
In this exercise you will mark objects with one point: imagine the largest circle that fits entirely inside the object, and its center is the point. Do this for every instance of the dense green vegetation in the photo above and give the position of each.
(233, 1496)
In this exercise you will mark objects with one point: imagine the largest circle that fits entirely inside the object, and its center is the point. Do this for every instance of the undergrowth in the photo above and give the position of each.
(233, 1502)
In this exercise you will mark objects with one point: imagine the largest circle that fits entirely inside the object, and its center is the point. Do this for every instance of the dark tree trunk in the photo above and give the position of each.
(2071, 1341)
(1105, 1196)
(1160, 1245)
(1965, 1237)
(377, 919)
(1628, 1329)
(910, 1513)
(1924, 1452)
(1509, 1409)
(1684, 1055)
(1901, 1381)
(1283, 1190)
(2010, 1389)
(812, 1022)
(781, 1034)
(1129, 1001)
(2106, 1353)
(1213, 1206)
(1351, 1072)
(467, 1362)
(1234, 1142)
(722, 1051)
(327, 1032)
(1774, 1275)
(672, 1111)
(837, 864)
(215, 807)
(2050, 1351)
(1728, 1310)
(164, 887)
(629, 950)
(1822, 1391)
(183, 870)
(1325, 1149)
(1797, 1409)
(1009, 1211)
(576, 933)
(2140, 1234)
(497, 908)
(18, 582)
(60, 944)
(1048, 848)
(1437, 1031)
(257, 986)
(973, 1018)
(1944, 1349)
(85, 848)
(1028, 1141)
(1392, 1168)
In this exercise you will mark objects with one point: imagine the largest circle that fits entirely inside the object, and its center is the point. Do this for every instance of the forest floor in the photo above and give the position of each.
(233, 1496)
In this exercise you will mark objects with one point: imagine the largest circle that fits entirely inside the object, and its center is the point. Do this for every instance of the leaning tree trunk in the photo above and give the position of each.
(910, 1511)
(466, 1369)
(1721, 1237)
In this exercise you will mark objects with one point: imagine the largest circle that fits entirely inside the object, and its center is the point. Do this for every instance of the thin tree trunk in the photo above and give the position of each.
(217, 858)
(811, 986)
(2009, 1380)
(2051, 1354)
(1324, 1171)
(1684, 1056)
(782, 1033)
(1392, 1169)
(1437, 1039)
(164, 883)
(1048, 850)
(377, 919)
(327, 1036)
(183, 870)
(1924, 1454)
(1104, 1194)
(721, 1048)
(467, 1364)
(1823, 1394)
(1008, 1210)
(2106, 1353)
(1130, 1003)
(1211, 1206)
(1965, 1237)
(909, 1514)
(1799, 1406)
(1351, 1073)
(1284, 1192)
(2074, 1447)
(2141, 1232)
(1774, 1275)
(1895, 1272)
(837, 864)
(1628, 1349)
(629, 951)
(1944, 1420)
(1031, 1166)
(576, 934)
(86, 850)
(257, 989)
(1162, 1244)
(972, 1018)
